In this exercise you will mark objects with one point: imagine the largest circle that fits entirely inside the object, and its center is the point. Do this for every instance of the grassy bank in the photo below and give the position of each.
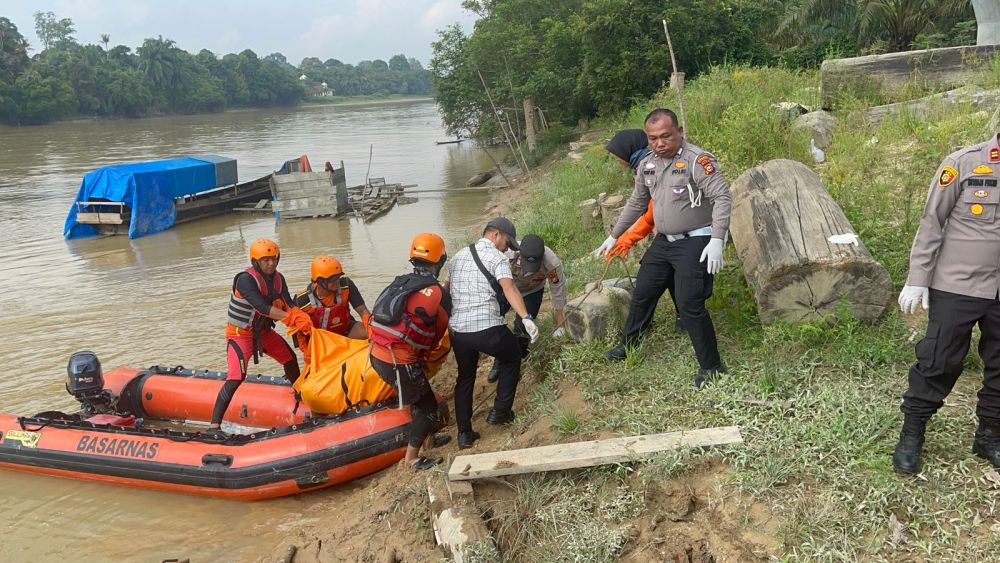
(818, 404)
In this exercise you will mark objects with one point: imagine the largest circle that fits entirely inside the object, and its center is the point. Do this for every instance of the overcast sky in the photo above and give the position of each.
(349, 30)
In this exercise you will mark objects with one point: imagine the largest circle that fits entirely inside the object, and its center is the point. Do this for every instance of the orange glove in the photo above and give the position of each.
(638, 231)
(303, 323)
(297, 320)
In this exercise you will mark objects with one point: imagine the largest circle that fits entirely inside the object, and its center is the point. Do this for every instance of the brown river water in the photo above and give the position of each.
(162, 299)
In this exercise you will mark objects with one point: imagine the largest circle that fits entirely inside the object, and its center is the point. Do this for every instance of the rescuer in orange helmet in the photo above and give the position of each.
(259, 297)
(409, 318)
(328, 300)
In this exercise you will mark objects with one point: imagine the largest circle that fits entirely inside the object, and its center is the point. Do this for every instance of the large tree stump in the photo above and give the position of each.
(781, 223)
(611, 209)
(588, 210)
(595, 314)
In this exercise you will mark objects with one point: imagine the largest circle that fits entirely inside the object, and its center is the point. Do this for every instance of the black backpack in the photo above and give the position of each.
(388, 308)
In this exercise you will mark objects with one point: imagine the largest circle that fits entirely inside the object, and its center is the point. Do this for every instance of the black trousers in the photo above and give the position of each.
(498, 342)
(676, 263)
(410, 383)
(941, 354)
(533, 303)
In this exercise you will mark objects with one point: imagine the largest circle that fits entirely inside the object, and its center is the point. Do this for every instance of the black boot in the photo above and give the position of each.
(705, 377)
(616, 354)
(494, 373)
(906, 458)
(987, 444)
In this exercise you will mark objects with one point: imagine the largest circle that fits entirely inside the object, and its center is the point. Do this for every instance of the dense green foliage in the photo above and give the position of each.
(69, 79)
(581, 58)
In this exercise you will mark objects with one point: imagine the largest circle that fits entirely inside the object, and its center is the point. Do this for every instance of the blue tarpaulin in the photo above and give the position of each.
(148, 189)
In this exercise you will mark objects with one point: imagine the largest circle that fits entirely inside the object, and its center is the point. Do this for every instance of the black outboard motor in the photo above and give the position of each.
(85, 381)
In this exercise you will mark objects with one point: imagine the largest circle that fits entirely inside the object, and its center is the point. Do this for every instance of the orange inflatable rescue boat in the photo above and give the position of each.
(126, 432)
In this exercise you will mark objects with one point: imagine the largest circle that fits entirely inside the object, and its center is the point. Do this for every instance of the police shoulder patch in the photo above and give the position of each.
(707, 163)
(948, 175)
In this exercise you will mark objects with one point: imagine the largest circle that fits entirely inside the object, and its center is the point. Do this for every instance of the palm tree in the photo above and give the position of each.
(897, 22)
(158, 62)
(106, 38)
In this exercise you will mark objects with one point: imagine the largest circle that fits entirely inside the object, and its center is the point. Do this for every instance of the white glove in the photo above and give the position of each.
(606, 246)
(559, 333)
(531, 328)
(911, 296)
(713, 253)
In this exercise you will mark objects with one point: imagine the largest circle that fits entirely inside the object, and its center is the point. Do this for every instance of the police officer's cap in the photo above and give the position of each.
(532, 252)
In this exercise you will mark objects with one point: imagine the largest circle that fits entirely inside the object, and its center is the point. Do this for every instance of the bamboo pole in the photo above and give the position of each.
(496, 115)
(513, 98)
(517, 141)
(676, 78)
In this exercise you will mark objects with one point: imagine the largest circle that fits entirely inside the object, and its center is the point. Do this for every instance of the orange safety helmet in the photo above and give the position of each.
(325, 267)
(262, 248)
(428, 247)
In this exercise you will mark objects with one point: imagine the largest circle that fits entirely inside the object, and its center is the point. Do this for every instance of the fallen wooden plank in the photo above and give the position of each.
(586, 454)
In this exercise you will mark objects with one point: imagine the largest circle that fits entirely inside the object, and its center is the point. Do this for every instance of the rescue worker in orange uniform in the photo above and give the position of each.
(409, 318)
(328, 301)
(259, 297)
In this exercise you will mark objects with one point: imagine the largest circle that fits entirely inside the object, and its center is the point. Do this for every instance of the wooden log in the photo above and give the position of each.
(480, 179)
(921, 107)
(781, 223)
(611, 210)
(944, 68)
(588, 212)
(586, 454)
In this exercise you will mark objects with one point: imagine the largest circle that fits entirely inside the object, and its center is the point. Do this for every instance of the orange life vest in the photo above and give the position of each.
(242, 315)
(392, 325)
(334, 317)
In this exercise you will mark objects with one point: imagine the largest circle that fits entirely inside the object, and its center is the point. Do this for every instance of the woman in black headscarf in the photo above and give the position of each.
(630, 146)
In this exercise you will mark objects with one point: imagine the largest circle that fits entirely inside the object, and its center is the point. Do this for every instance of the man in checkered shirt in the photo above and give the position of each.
(477, 326)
